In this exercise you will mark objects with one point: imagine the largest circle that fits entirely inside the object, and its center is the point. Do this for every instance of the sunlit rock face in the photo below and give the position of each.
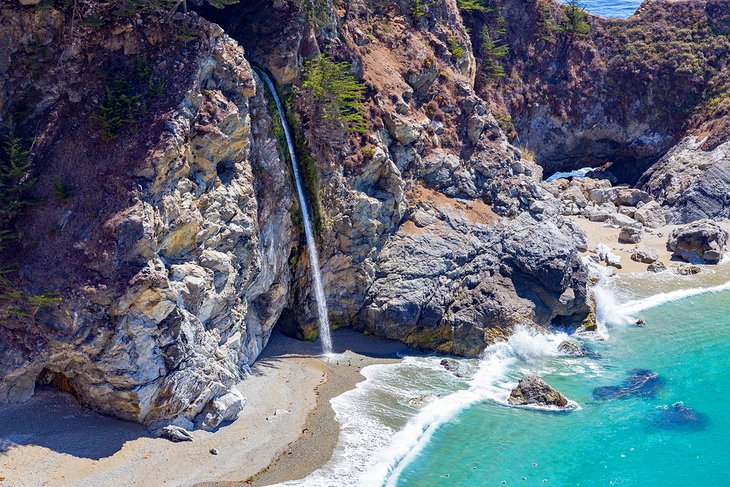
(171, 263)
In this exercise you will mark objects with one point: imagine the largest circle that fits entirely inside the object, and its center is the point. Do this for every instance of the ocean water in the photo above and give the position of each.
(416, 424)
(617, 8)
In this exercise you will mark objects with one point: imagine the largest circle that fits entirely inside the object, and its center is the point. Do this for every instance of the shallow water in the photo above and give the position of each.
(618, 8)
(639, 440)
(416, 424)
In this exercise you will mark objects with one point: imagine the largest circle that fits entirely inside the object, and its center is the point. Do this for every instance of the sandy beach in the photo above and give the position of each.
(654, 239)
(52, 441)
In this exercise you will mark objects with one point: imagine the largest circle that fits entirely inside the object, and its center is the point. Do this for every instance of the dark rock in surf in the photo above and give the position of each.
(680, 417)
(454, 366)
(640, 383)
(532, 390)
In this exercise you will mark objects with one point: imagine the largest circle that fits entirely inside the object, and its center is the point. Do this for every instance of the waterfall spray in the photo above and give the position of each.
(323, 320)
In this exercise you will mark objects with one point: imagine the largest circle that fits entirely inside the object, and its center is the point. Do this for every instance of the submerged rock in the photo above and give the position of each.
(703, 241)
(533, 390)
(640, 383)
(680, 417)
(573, 349)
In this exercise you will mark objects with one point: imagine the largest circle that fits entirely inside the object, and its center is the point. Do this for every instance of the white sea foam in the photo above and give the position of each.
(578, 173)
(638, 305)
(370, 452)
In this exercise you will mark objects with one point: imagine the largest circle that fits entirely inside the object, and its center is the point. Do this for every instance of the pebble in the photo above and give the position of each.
(213, 451)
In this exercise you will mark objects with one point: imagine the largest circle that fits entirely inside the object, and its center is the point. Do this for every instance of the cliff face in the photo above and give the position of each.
(627, 92)
(169, 237)
(436, 230)
(161, 212)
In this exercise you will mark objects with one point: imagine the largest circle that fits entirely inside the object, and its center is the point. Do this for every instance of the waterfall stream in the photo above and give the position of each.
(323, 320)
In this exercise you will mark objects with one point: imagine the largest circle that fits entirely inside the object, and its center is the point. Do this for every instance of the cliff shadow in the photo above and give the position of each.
(55, 420)
(343, 339)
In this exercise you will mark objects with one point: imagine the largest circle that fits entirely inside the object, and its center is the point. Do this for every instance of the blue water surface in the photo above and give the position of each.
(617, 8)
(675, 435)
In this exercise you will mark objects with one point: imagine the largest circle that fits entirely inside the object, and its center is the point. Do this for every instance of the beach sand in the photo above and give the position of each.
(286, 430)
(656, 239)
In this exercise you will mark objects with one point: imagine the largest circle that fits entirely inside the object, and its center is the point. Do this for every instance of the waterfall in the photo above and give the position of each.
(323, 320)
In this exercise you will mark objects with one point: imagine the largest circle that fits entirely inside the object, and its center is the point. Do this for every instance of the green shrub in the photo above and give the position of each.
(332, 96)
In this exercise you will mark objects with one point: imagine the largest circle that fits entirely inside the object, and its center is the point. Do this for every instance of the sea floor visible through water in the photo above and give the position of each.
(652, 408)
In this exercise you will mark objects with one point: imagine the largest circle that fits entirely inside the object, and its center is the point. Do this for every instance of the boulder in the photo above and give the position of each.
(702, 241)
(454, 366)
(605, 255)
(175, 433)
(645, 256)
(532, 390)
(688, 270)
(651, 215)
(640, 383)
(224, 408)
(657, 266)
(680, 417)
(619, 196)
(571, 349)
(630, 235)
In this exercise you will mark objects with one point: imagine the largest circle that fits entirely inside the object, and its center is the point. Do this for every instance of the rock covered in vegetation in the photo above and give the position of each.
(170, 256)
(703, 241)
(531, 390)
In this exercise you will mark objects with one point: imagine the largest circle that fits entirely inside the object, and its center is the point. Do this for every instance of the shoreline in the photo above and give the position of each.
(52, 440)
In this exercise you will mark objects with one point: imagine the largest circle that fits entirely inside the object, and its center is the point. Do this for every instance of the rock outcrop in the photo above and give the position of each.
(436, 230)
(170, 258)
(700, 242)
(531, 390)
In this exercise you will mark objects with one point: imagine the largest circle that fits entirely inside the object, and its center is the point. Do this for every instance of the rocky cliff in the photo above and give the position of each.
(436, 230)
(646, 95)
(160, 218)
(154, 259)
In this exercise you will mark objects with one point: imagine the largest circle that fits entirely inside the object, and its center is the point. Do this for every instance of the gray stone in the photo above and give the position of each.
(454, 366)
(571, 349)
(657, 266)
(703, 241)
(630, 235)
(532, 390)
(645, 256)
(175, 433)
(651, 215)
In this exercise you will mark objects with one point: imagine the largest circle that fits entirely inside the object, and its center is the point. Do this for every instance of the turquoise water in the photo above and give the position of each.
(619, 8)
(620, 442)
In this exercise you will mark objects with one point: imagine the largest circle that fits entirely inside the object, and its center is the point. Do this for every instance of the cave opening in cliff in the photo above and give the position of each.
(56, 380)
(260, 26)
(619, 169)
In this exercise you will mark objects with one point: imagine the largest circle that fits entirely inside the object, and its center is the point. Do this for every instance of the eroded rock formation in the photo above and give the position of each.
(170, 257)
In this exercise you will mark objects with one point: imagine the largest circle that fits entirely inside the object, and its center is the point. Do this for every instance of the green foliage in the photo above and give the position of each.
(472, 6)
(317, 12)
(333, 97)
(125, 101)
(418, 10)
(547, 26)
(456, 49)
(574, 21)
(63, 190)
(120, 108)
(492, 51)
(15, 180)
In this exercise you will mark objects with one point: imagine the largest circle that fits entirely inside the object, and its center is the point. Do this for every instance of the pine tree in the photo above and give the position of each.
(574, 23)
(492, 51)
(332, 96)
